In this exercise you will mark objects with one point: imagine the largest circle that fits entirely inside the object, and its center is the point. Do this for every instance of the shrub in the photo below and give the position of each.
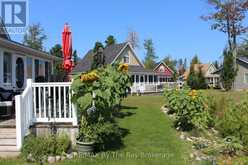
(190, 107)
(39, 148)
(234, 121)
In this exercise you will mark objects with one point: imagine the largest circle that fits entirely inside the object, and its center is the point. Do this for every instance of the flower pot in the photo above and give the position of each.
(85, 147)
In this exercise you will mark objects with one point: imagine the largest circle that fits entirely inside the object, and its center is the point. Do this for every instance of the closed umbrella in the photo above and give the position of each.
(67, 48)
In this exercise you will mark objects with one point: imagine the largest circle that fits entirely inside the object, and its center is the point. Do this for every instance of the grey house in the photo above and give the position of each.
(241, 79)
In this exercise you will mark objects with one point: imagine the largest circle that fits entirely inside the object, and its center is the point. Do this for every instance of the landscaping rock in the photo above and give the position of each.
(191, 156)
(51, 159)
(58, 158)
(182, 136)
(69, 156)
(63, 158)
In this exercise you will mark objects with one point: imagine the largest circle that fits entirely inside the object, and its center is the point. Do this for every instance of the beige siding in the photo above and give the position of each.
(132, 59)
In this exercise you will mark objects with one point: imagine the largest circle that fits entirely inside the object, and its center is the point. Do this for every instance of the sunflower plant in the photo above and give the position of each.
(109, 85)
(189, 106)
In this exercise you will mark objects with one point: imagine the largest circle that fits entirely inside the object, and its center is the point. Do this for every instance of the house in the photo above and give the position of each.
(20, 63)
(241, 79)
(146, 79)
(164, 73)
(208, 71)
(31, 102)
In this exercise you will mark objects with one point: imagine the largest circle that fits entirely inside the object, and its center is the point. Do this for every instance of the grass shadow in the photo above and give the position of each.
(115, 141)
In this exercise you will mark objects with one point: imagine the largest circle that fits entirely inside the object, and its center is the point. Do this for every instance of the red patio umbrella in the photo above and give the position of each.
(67, 48)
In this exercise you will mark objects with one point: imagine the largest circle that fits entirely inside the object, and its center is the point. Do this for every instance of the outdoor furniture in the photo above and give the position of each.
(6, 102)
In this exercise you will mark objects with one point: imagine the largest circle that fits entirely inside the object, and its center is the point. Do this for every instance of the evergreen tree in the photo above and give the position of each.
(75, 57)
(228, 72)
(97, 46)
(56, 50)
(110, 40)
(196, 79)
(98, 57)
(150, 56)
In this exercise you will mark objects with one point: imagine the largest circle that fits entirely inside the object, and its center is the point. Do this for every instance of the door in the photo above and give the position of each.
(20, 72)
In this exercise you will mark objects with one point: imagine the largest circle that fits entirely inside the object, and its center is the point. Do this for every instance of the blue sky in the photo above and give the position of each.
(174, 26)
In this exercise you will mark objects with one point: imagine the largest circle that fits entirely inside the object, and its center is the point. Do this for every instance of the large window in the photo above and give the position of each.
(29, 67)
(7, 68)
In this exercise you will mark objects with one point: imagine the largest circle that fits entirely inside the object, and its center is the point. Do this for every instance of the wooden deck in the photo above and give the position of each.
(7, 123)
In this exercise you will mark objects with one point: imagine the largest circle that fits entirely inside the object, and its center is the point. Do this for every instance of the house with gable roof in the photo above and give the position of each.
(147, 79)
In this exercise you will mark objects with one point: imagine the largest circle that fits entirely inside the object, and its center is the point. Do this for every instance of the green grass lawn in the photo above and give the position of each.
(150, 138)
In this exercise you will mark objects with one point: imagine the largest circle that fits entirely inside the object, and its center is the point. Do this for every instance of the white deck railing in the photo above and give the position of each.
(24, 113)
(52, 103)
(152, 87)
(43, 103)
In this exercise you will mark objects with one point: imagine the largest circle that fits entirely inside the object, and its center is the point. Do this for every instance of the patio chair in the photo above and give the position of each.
(6, 102)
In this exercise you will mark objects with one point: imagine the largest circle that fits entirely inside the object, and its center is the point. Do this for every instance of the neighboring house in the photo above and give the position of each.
(164, 73)
(208, 71)
(124, 53)
(241, 79)
(19, 63)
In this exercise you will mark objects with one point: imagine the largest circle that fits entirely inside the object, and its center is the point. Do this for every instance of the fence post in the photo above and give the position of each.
(19, 131)
(74, 115)
(30, 100)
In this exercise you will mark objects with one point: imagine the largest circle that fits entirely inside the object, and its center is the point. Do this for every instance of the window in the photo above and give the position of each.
(39, 66)
(246, 77)
(48, 69)
(126, 58)
(19, 72)
(7, 68)
(29, 67)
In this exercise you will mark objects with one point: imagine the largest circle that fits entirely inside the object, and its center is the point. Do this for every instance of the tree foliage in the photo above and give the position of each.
(35, 37)
(150, 55)
(228, 72)
(75, 57)
(110, 40)
(196, 79)
(228, 18)
(56, 50)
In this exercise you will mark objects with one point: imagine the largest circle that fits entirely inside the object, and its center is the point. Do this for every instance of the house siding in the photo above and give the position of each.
(239, 82)
(132, 58)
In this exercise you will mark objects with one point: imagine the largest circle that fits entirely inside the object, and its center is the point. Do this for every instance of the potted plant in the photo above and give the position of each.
(86, 137)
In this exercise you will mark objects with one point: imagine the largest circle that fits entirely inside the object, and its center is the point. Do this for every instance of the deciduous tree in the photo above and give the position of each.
(35, 37)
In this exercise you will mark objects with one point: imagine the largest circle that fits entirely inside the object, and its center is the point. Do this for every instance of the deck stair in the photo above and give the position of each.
(8, 146)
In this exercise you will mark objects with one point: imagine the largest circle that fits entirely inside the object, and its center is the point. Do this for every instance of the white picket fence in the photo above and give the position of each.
(43, 103)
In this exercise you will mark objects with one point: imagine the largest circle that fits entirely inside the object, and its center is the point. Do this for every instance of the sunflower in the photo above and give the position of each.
(193, 94)
(89, 77)
(123, 68)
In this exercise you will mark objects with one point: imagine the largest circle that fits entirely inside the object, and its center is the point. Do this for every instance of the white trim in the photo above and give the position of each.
(121, 51)
(1, 67)
(161, 62)
(14, 46)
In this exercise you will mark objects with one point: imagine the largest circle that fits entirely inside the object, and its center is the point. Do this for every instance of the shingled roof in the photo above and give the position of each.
(111, 52)
(3, 32)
